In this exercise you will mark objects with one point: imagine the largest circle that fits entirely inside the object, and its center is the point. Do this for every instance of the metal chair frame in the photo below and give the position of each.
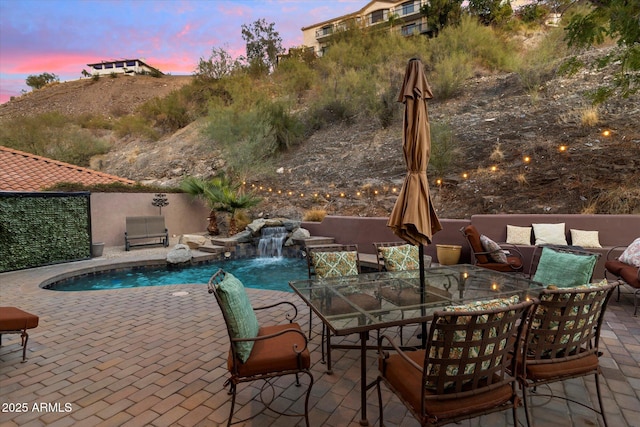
(574, 315)
(234, 362)
(440, 387)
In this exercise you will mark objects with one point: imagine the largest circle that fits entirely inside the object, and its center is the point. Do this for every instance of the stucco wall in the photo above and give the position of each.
(183, 215)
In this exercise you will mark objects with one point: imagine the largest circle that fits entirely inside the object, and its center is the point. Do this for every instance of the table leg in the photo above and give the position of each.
(363, 377)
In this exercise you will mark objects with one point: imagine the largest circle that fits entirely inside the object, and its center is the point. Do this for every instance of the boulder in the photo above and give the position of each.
(179, 254)
(194, 241)
(298, 234)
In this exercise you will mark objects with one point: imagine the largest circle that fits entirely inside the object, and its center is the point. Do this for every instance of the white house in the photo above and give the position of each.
(122, 66)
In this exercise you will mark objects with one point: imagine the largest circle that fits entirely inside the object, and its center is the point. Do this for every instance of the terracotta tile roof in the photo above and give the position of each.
(20, 171)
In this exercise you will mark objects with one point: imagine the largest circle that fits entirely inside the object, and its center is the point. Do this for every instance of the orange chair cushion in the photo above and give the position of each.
(545, 371)
(14, 319)
(627, 272)
(274, 354)
(407, 381)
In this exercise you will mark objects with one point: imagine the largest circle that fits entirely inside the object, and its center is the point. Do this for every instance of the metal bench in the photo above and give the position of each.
(145, 228)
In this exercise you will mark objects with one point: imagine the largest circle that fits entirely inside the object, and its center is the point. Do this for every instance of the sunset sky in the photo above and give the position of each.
(63, 36)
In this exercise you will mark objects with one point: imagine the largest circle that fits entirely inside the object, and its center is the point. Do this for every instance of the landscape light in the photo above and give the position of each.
(606, 132)
(494, 168)
(341, 194)
(527, 159)
(439, 181)
(375, 192)
(562, 148)
(465, 175)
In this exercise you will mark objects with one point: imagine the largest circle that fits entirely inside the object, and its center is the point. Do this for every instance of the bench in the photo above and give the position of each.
(15, 321)
(145, 228)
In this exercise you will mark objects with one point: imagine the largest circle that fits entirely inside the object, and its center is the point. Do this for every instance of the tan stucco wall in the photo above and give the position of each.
(183, 215)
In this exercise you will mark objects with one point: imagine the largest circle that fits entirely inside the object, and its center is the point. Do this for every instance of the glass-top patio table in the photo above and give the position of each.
(401, 301)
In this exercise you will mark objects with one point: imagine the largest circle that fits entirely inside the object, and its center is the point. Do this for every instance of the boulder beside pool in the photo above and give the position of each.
(180, 254)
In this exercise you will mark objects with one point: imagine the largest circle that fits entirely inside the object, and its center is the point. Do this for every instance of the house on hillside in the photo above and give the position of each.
(123, 66)
(22, 171)
(406, 16)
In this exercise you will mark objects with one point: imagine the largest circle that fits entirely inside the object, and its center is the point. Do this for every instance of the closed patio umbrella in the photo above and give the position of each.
(413, 217)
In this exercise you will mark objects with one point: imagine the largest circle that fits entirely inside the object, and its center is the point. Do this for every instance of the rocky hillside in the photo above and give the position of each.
(514, 152)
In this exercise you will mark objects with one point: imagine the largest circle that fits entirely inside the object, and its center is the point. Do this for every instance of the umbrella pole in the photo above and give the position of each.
(422, 291)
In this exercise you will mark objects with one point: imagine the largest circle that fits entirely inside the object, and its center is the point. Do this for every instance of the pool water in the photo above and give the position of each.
(260, 273)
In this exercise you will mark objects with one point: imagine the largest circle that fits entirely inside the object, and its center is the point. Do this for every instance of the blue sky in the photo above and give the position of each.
(62, 36)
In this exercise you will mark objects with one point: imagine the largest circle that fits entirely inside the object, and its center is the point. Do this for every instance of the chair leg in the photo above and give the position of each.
(310, 321)
(232, 391)
(604, 418)
(379, 401)
(526, 405)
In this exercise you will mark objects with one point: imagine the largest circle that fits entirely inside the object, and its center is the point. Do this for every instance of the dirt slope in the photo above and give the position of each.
(495, 123)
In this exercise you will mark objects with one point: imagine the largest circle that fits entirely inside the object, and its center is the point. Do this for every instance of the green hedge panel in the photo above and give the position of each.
(43, 228)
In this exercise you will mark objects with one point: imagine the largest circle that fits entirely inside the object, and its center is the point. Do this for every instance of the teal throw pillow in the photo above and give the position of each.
(564, 269)
(240, 315)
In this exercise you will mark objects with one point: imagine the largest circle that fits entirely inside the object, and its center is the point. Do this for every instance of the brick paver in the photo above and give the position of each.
(146, 357)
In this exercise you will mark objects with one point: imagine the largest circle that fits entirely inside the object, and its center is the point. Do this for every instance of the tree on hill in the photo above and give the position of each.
(619, 20)
(263, 44)
(41, 80)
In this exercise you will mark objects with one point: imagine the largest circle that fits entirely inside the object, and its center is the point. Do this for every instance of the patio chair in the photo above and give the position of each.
(260, 352)
(462, 373)
(16, 321)
(399, 256)
(562, 266)
(489, 254)
(336, 260)
(627, 274)
(562, 341)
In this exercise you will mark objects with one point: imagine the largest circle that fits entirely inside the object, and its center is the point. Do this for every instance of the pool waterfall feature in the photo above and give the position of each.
(272, 241)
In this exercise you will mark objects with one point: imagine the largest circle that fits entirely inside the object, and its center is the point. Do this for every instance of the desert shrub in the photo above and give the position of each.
(170, 113)
(283, 129)
(443, 148)
(538, 65)
(589, 116)
(52, 135)
(314, 215)
(450, 74)
(133, 125)
(294, 77)
(481, 43)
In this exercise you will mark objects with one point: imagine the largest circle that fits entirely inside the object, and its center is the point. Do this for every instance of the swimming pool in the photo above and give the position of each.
(258, 273)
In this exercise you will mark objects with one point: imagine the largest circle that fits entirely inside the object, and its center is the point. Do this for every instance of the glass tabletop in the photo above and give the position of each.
(378, 300)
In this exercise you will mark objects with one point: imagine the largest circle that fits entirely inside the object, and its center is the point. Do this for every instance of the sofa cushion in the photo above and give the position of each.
(495, 251)
(631, 255)
(549, 234)
(564, 269)
(518, 235)
(240, 315)
(585, 238)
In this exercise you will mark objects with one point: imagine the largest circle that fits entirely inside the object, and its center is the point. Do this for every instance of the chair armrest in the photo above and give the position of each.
(291, 306)
(513, 249)
(384, 354)
(610, 252)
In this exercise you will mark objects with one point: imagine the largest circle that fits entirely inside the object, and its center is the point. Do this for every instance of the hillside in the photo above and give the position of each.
(495, 123)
